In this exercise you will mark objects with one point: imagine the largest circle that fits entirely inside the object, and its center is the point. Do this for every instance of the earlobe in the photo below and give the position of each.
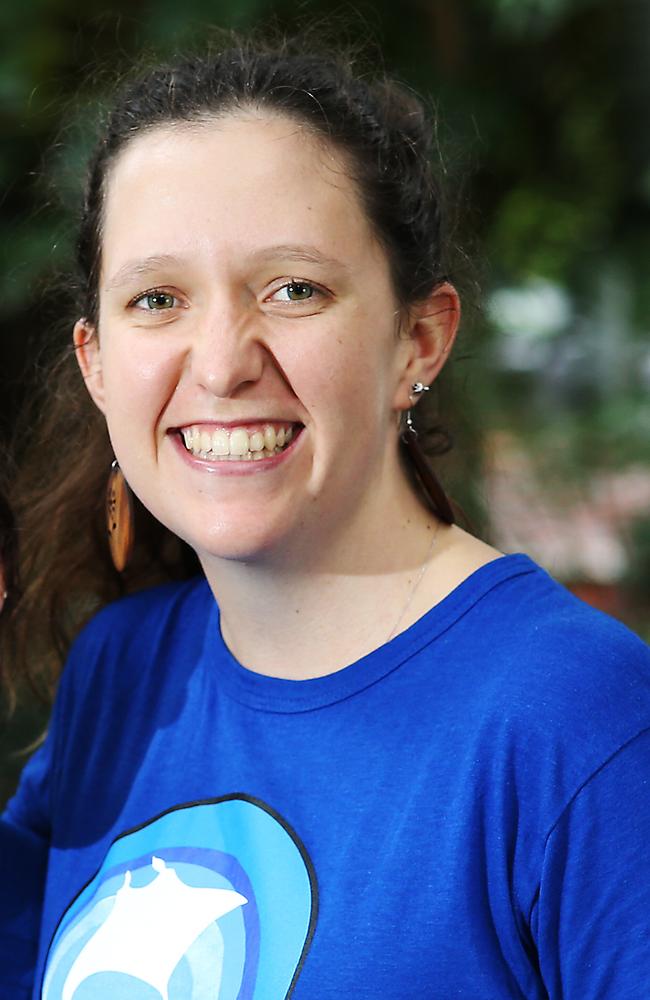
(431, 332)
(88, 355)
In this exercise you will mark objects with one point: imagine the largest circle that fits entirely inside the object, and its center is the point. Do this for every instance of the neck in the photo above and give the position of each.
(320, 607)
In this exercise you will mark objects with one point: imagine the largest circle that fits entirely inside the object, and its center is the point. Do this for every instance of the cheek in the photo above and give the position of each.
(138, 381)
(354, 368)
(355, 353)
(346, 390)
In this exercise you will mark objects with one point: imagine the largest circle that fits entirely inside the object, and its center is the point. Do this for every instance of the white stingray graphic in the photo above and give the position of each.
(150, 929)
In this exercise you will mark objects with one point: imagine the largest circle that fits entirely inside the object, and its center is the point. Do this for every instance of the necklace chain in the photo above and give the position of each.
(417, 583)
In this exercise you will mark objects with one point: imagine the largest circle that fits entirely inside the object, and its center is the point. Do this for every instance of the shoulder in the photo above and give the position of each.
(546, 691)
(139, 630)
(147, 603)
(556, 639)
(154, 604)
(568, 683)
(520, 612)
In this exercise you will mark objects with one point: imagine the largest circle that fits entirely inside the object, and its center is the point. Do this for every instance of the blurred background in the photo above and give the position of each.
(545, 148)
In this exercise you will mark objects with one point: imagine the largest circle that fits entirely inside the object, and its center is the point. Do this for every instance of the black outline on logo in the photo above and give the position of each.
(233, 796)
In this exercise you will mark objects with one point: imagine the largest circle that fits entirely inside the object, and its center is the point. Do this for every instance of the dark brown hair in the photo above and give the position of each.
(386, 136)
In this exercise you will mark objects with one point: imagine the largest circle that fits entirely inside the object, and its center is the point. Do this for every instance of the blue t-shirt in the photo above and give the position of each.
(464, 812)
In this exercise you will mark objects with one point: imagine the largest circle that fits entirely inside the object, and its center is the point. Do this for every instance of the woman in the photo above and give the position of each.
(363, 753)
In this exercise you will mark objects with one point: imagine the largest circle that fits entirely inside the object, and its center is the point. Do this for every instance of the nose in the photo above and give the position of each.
(227, 350)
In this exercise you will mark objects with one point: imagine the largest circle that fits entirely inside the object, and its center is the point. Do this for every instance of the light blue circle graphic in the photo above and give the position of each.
(212, 900)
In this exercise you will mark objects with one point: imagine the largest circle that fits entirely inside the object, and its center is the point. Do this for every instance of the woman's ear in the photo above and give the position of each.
(89, 359)
(430, 331)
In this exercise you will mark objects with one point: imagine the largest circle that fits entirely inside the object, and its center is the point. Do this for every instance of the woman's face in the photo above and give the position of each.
(244, 304)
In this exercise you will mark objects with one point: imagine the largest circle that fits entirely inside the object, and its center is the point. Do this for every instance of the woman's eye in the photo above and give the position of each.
(155, 301)
(296, 291)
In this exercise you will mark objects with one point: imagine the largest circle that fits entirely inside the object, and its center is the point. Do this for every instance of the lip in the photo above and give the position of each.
(243, 468)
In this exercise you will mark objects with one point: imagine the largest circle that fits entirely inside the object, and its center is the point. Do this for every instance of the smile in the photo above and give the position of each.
(238, 444)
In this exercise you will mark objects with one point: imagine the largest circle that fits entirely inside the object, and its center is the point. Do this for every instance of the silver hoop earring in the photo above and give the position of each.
(416, 391)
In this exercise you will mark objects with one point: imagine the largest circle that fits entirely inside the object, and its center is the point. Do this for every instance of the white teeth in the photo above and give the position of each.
(220, 443)
(237, 444)
(256, 443)
(269, 437)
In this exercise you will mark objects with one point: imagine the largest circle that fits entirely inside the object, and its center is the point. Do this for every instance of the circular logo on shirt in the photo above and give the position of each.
(210, 901)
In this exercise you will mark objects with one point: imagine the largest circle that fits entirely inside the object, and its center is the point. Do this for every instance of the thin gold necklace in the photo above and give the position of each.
(417, 583)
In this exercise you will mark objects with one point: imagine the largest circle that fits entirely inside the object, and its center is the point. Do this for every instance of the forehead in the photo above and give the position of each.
(230, 185)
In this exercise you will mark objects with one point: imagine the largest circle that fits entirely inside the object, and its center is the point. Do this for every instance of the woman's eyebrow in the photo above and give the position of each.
(299, 252)
(139, 266)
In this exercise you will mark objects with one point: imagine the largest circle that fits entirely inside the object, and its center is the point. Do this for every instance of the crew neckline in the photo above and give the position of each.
(282, 695)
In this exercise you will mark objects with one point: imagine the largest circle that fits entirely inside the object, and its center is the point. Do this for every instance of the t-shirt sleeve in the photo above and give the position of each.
(25, 833)
(24, 845)
(591, 918)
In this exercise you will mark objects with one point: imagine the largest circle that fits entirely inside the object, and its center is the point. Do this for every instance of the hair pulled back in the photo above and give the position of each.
(380, 127)
(384, 135)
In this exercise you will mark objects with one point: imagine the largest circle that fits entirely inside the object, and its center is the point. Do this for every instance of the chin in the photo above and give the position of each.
(236, 544)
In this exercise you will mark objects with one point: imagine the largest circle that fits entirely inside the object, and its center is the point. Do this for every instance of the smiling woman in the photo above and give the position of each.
(351, 708)
(235, 339)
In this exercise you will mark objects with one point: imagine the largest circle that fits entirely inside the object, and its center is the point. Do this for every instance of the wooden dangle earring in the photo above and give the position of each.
(120, 517)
